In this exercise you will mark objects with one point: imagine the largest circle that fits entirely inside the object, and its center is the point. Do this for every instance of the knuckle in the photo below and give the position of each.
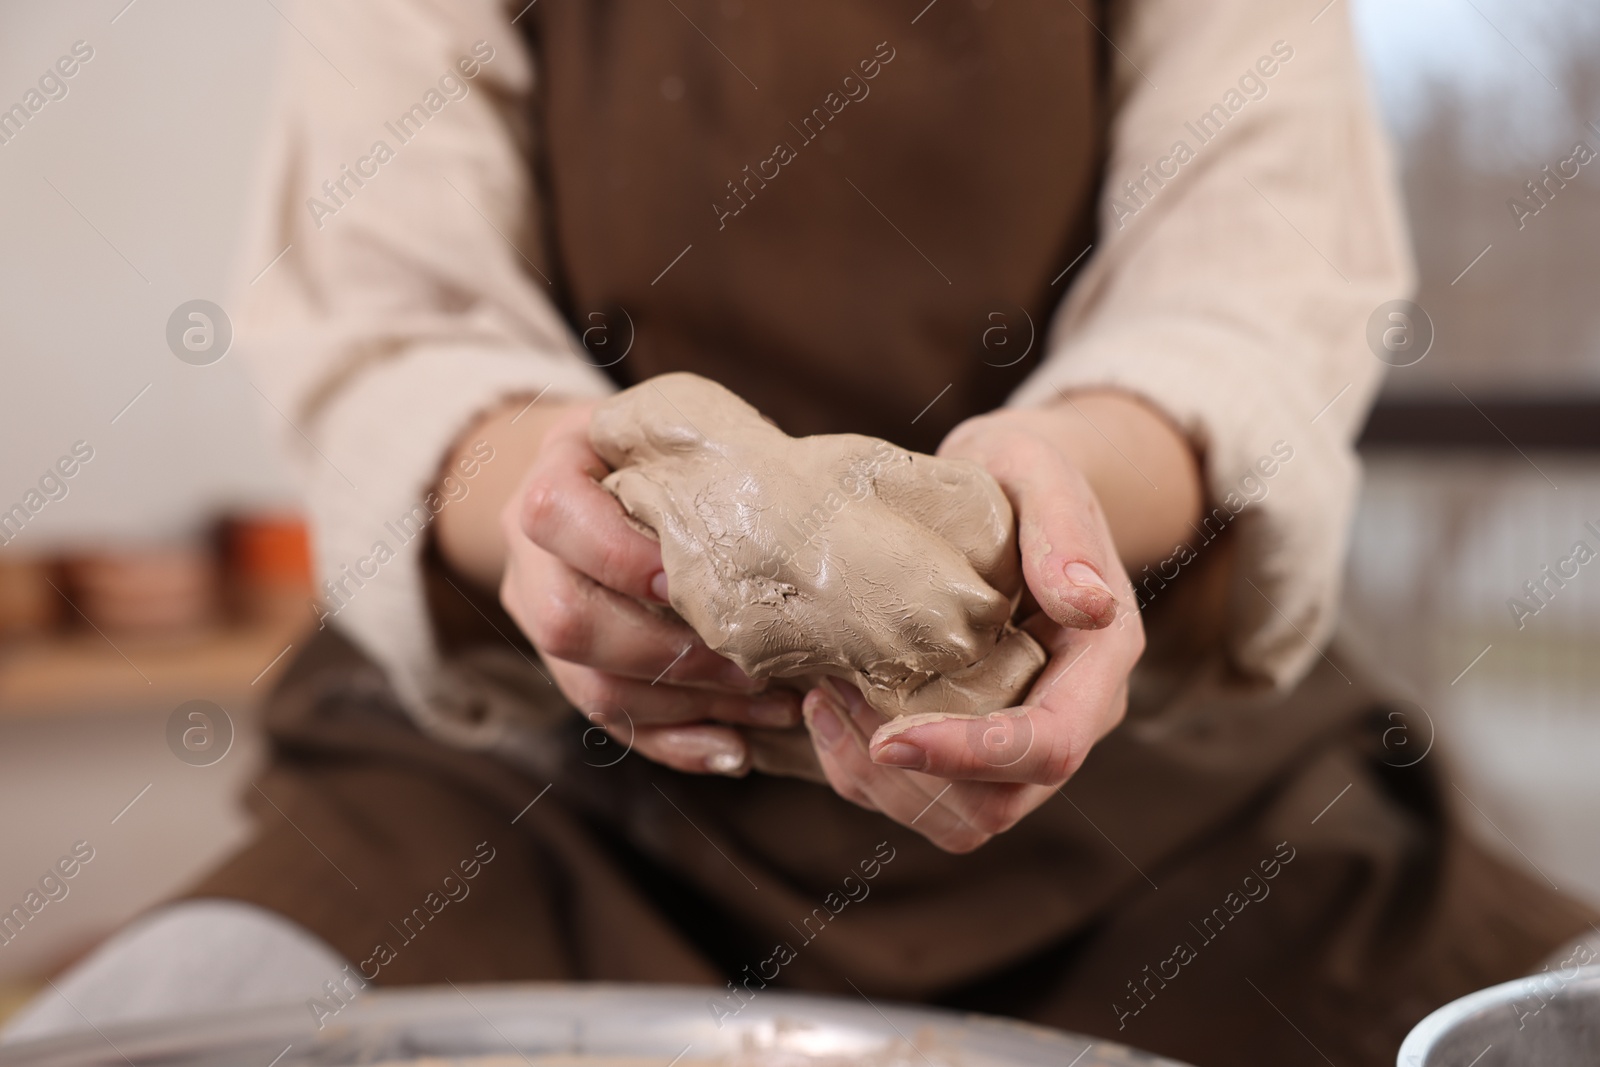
(615, 566)
(1119, 711)
(962, 841)
(1137, 644)
(668, 704)
(991, 818)
(846, 784)
(560, 625)
(1062, 762)
(510, 519)
(541, 510)
(725, 709)
(848, 788)
(511, 597)
(605, 694)
(577, 685)
(656, 750)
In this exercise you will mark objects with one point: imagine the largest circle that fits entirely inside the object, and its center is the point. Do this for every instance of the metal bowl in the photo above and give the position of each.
(618, 1026)
(1546, 1020)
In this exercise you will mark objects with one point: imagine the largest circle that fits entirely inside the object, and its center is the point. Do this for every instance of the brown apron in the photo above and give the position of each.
(1232, 878)
(1224, 861)
(938, 178)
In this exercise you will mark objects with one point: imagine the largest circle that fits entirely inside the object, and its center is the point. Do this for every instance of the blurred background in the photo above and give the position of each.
(170, 565)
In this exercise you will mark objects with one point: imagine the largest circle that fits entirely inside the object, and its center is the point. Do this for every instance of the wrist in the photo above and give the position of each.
(1143, 470)
(468, 530)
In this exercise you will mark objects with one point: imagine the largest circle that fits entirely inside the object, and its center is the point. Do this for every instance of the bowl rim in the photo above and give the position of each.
(1425, 1036)
(420, 1013)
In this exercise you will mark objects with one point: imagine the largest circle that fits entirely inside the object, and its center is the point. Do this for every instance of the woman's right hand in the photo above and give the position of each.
(587, 588)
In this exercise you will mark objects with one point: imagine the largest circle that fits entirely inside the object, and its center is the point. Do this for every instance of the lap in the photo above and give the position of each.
(628, 872)
(1301, 931)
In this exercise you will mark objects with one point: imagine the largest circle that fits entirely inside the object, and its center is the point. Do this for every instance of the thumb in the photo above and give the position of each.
(1068, 558)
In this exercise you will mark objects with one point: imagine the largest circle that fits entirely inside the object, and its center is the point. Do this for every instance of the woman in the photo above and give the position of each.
(860, 220)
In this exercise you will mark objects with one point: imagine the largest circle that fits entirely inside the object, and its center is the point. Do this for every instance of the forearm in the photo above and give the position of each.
(468, 530)
(1142, 469)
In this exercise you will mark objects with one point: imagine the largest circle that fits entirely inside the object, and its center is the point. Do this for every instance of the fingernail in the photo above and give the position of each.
(825, 719)
(724, 762)
(1080, 573)
(901, 754)
(658, 587)
(773, 711)
(1089, 603)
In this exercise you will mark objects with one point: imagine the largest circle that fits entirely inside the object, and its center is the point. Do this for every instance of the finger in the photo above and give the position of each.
(924, 804)
(1067, 554)
(1023, 744)
(608, 698)
(955, 815)
(695, 749)
(565, 511)
(571, 617)
(841, 749)
(1064, 686)
(1042, 742)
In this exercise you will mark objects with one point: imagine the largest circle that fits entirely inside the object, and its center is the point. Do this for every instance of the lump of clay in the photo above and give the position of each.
(835, 555)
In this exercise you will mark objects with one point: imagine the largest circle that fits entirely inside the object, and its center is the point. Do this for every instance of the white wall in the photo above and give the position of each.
(64, 780)
(154, 145)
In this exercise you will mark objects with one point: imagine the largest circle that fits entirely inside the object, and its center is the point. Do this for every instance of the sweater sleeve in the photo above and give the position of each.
(393, 288)
(1249, 226)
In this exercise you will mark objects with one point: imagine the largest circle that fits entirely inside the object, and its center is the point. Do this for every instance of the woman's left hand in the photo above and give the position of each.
(959, 781)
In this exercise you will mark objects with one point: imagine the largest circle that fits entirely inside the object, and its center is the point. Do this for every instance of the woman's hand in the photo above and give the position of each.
(578, 578)
(959, 781)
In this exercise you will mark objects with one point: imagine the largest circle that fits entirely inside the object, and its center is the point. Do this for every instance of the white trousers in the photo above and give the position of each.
(188, 958)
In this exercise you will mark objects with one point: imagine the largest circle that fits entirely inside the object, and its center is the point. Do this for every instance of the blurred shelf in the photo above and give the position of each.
(86, 673)
(13, 995)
